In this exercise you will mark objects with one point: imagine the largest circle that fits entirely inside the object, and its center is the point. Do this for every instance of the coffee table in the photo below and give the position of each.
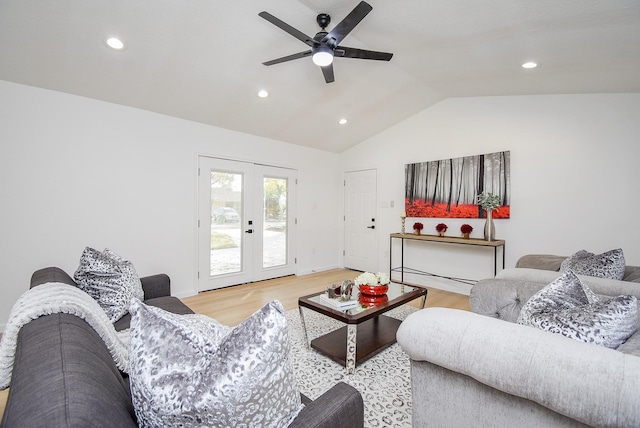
(366, 332)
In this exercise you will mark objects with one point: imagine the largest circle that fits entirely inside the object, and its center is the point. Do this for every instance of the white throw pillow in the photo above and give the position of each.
(191, 371)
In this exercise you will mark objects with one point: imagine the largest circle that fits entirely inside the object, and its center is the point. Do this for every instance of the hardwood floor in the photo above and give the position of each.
(232, 305)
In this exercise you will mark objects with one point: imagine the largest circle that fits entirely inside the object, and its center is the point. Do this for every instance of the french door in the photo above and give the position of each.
(246, 225)
(361, 237)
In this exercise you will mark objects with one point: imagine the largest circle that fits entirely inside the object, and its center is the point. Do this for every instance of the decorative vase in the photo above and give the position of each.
(417, 231)
(373, 290)
(465, 235)
(441, 233)
(489, 227)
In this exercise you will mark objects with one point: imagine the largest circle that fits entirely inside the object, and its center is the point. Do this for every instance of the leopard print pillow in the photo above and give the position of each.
(606, 265)
(567, 307)
(111, 280)
(191, 371)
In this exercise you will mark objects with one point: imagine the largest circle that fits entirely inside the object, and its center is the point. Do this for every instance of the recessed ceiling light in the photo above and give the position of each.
(115, 43)
(343, 121)
(263, 94)
(529, 65)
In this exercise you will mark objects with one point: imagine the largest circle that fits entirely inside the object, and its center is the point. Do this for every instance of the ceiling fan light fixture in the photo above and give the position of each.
(322, 56)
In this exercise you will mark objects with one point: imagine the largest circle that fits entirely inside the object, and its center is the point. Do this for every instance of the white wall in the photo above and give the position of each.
(77, 172)
(575, 172)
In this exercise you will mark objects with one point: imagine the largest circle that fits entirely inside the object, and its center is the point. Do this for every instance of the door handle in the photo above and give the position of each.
(371, 227)
(248, 231)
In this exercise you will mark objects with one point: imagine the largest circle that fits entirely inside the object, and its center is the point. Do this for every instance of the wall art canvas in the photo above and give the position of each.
(449, 188)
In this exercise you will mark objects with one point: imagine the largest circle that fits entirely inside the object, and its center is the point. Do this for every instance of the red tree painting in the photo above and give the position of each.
(449, 188)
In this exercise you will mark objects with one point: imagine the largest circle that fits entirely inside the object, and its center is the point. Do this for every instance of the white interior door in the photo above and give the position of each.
(361, 236)
(246, 222)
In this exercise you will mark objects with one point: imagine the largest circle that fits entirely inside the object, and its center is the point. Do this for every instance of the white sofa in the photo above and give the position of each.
(480, 368)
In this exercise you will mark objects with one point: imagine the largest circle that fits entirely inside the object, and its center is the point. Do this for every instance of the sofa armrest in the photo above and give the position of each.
(50, 274)
(64, 376)
(592, 384)
(340, 406)
(502, 298)
(156, 286)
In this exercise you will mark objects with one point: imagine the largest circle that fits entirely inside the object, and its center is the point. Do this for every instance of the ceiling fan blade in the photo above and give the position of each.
(345, 52)
(288, 58)
(289, 29)
(327, 71)
(348, 23)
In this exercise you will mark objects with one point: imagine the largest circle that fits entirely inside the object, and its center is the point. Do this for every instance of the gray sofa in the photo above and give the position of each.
(480, 368)
(64, 376)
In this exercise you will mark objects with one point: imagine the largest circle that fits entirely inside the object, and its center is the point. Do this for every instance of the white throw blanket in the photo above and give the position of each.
(54, 298)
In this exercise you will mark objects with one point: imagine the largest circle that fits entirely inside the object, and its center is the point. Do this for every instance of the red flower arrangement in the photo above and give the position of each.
(417, 227)
(466, 228)
(441, 227)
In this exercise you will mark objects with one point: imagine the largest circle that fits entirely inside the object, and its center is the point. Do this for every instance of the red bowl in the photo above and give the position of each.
(371, 301)
(373, 290)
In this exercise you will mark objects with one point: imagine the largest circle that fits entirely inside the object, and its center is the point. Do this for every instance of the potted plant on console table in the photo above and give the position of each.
(489, 202)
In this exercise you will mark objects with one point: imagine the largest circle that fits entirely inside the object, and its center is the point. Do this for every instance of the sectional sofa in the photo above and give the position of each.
(64, 375)
(481, 368)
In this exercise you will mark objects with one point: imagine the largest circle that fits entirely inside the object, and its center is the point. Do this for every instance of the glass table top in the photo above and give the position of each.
(361, 303)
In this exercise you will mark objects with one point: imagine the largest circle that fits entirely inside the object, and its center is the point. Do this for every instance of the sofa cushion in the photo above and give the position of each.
(568, 307)
(541, 261)
(606, 265)
(110, 280)
(189, 370)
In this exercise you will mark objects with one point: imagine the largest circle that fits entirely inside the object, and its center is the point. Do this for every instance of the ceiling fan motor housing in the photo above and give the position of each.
(323, 20)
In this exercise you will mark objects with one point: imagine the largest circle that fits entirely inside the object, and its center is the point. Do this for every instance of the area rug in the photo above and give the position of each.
(383, 380)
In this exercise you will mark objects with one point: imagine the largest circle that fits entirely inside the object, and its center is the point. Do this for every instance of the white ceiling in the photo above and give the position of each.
(202, 59)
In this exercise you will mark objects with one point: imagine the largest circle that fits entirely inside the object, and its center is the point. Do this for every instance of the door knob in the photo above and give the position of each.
(248, 231)
(371, 227)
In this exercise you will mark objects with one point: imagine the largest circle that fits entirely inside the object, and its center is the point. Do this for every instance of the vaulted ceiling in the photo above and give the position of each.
(201, 60)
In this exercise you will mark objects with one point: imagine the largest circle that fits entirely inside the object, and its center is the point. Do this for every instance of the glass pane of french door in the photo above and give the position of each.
(274, 243)
(226, 227)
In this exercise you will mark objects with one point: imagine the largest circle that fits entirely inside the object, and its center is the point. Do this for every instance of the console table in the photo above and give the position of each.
(499, 243)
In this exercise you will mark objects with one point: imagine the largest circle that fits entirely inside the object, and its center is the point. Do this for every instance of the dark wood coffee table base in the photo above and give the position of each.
(373, 336)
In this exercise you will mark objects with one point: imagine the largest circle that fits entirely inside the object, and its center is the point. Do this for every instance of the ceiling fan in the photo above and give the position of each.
(326, 45)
